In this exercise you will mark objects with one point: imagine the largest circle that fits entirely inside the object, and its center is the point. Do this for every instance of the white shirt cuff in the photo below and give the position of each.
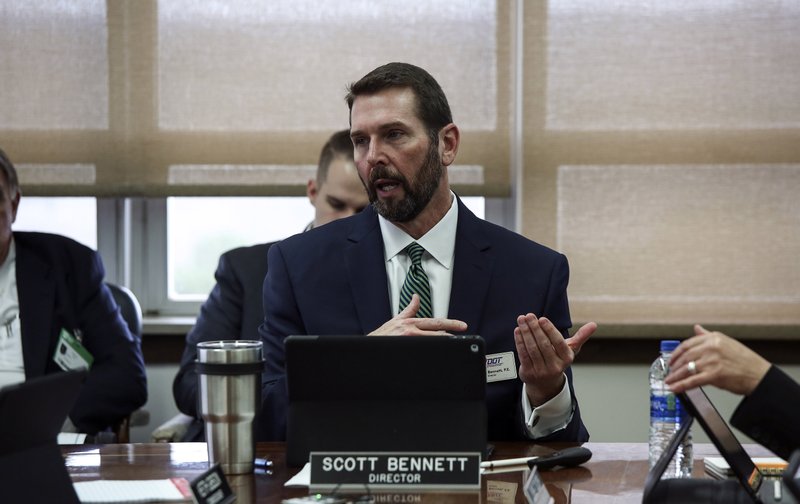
(549, 417)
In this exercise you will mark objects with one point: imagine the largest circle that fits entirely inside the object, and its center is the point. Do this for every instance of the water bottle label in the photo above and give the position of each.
(666, 408)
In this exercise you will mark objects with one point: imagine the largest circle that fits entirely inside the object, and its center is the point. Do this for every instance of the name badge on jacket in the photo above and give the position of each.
(70, 353)
(500, 366)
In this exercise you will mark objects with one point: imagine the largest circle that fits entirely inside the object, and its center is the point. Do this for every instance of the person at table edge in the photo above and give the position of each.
(346, 277)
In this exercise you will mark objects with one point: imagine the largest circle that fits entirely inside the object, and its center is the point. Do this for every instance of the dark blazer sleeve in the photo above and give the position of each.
(771, 413)
(233, 311)
(284, 319)
(116, 384)
(526, 277)
(556, 308)
(497, 276)
(327, 280)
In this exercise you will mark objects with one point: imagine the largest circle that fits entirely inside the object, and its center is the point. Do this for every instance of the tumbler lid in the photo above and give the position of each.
(229, 351)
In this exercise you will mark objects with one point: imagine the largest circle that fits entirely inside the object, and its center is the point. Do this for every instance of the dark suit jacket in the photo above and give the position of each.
(60, 285)
(771, 413)
(233, 311)
(332, 280)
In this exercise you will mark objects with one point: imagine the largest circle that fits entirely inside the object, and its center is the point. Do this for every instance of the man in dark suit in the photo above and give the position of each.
(233, 310)
(58, 315)
(770, 409)
(348, 277)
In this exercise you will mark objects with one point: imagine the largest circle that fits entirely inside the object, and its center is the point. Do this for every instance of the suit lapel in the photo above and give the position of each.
(366, 272)
(36, 291)
(472, 271)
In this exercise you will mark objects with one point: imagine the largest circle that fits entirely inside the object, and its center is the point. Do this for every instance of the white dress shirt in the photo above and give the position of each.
(437, 261)
(12, 365)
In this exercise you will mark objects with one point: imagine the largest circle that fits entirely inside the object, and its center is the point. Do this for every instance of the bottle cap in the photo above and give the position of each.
(669, 345)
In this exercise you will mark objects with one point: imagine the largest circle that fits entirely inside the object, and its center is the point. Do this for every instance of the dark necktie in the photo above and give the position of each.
(416, 283)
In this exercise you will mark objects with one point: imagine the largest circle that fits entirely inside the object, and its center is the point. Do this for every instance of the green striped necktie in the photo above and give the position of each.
(416, 282)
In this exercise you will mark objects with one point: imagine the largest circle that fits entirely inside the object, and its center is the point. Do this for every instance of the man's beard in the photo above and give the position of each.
(416, 197)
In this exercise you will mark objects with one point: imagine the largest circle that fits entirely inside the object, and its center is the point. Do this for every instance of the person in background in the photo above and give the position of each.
(770, 409)
(478, 277)
(59, 315)
(233, 310)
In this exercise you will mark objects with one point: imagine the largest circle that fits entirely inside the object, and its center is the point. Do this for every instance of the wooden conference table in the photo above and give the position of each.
(616, 472)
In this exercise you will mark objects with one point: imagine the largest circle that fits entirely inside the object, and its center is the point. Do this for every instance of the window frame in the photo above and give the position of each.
(133, 242)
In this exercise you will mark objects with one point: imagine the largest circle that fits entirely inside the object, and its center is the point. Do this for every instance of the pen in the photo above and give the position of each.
(568, 457)
(491, 464)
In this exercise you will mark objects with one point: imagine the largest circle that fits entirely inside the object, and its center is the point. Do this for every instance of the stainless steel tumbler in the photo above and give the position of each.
(230, 394)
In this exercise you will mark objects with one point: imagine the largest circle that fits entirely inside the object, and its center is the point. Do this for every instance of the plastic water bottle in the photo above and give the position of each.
(666, 417)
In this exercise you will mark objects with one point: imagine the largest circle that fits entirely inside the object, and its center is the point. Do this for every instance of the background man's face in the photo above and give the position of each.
(341, 195)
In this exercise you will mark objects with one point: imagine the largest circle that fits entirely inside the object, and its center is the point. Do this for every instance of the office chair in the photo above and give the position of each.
(131, 312)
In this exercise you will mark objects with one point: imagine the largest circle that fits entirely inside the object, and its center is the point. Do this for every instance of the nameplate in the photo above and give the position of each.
(211, 487)
(395, 471)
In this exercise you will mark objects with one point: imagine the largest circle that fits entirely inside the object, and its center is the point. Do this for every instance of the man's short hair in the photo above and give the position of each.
(9, 172)
(338, 145)
(432, 107)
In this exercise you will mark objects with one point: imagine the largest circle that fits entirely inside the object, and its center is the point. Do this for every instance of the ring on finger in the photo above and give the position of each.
(692, 367)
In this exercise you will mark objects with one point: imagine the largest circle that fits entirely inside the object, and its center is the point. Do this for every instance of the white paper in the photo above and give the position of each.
(69, 438)
(108, 491)
(300, 480)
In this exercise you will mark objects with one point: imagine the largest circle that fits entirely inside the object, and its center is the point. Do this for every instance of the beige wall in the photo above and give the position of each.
(615, 403)
(661, 154)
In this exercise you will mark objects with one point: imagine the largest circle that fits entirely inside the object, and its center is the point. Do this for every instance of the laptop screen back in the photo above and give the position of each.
(36, 409)
(32, 414)
(699, 405)
(385, 393)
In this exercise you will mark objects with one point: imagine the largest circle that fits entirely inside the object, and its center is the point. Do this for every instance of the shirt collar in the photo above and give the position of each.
(440, 241)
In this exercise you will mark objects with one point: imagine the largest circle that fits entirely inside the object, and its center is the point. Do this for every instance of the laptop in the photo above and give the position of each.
(385, 394)
(31, 415)
(750, 484)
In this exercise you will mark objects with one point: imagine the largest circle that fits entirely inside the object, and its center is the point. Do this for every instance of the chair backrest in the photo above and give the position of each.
(129, 307)
(131, 312)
